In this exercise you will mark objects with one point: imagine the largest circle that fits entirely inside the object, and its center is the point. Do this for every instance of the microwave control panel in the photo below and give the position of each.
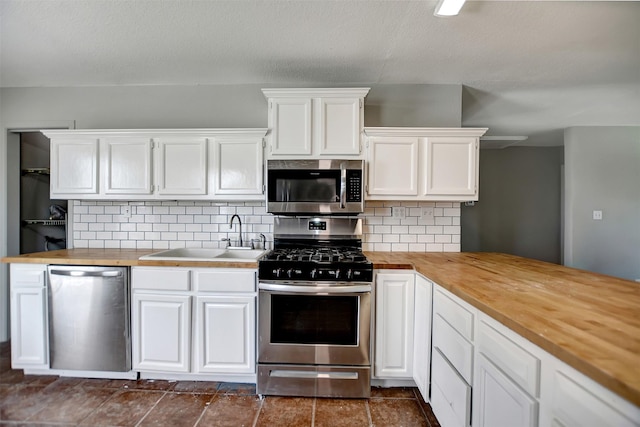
(354, 185)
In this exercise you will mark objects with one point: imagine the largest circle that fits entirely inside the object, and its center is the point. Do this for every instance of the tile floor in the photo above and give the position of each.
(53, 401)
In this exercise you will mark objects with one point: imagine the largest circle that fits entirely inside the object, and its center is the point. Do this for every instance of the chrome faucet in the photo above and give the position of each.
(239, 227)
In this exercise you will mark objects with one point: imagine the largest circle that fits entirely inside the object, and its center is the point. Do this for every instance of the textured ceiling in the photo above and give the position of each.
(528, 68)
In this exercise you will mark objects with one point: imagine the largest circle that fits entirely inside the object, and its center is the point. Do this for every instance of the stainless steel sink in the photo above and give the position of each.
(206, 254)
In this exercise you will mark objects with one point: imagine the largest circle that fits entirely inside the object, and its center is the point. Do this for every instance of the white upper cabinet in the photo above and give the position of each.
(290, 123)
(315, 123)
(181, 165)
(393, 167)
(126, 165)
(237, 166)
(451, 166)
(340, 126)
(435, 164)
(157, 164)
(74, 166)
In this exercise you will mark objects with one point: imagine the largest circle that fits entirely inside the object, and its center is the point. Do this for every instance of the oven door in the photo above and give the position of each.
(312, 187)
(328, 324)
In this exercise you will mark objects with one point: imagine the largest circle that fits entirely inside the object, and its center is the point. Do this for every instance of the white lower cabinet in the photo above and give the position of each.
(570, 399)
(223, 331)
(29, 326)
(161, 331)
(422, 335)
(452, 358)
(498, 401)
(507, 377)
(197, 321)
(394, 318)
(450, 393)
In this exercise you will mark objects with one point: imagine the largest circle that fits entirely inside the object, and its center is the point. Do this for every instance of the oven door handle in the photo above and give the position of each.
(315, 289)
(343, 185)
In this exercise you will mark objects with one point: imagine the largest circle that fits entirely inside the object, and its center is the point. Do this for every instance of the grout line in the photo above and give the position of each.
(366, 405)
(206, 408)
(115, 391)
(255, 420)
(152, 408)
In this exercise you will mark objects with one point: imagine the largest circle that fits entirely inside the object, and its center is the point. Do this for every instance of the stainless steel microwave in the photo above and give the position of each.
(321, 187)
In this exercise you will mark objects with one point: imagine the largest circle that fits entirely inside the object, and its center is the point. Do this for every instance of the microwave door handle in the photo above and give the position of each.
(343, 186)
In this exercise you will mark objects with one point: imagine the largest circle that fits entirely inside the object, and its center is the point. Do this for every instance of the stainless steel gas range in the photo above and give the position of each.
(314, 310)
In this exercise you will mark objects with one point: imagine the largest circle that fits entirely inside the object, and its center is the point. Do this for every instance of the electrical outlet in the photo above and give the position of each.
(427, 213)
(597, 215)
(126, 211)
(399, 212)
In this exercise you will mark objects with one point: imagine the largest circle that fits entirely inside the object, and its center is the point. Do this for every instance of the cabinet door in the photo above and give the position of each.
(74, 166)
(450, 393)
(451, 167)
(126, 165)
(161, 332)
(29, 330)
(577, 401)
(290, 123)
(393, 167)
(422, 336)
(339, 126)
(225, 334)
(394, 325)
(238, 167)
(498, 401)
(181, 166)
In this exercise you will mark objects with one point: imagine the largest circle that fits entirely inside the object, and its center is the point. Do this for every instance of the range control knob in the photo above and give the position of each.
(294, 273)
(277, 272)
(349, 274)
(313, 274)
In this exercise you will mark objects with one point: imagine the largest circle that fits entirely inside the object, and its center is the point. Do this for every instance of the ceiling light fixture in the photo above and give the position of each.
(448, 7)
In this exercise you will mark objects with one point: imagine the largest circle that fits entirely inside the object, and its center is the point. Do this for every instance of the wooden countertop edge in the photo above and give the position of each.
(128, 262)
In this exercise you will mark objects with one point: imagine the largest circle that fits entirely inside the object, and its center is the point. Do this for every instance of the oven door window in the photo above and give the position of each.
(305, 319)
(322, 186)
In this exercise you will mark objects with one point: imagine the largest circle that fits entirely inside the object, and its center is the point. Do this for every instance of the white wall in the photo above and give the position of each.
(602, 172)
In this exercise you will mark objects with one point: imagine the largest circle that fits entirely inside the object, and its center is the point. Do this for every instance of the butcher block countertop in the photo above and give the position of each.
(122, 257)
(590, 321)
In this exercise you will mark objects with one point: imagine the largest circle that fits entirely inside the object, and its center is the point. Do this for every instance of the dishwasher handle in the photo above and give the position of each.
(83, 273)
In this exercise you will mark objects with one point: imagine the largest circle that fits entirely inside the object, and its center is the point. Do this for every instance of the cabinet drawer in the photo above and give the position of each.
(450, 394)
(163, 279)
(28, 275)
(522, 367)
(453, 346)
(219, 280)
(455, 314)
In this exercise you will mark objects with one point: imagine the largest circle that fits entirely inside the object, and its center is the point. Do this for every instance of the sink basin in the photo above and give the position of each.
(206, 254)
(245, 254)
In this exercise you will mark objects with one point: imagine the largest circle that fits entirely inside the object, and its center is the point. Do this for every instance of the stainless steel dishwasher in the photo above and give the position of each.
(89, 318)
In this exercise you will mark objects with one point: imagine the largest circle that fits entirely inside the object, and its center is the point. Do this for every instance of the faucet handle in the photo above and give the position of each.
(226, 239)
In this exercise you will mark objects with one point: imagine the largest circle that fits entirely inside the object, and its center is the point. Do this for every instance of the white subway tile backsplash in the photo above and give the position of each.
(178, 224)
